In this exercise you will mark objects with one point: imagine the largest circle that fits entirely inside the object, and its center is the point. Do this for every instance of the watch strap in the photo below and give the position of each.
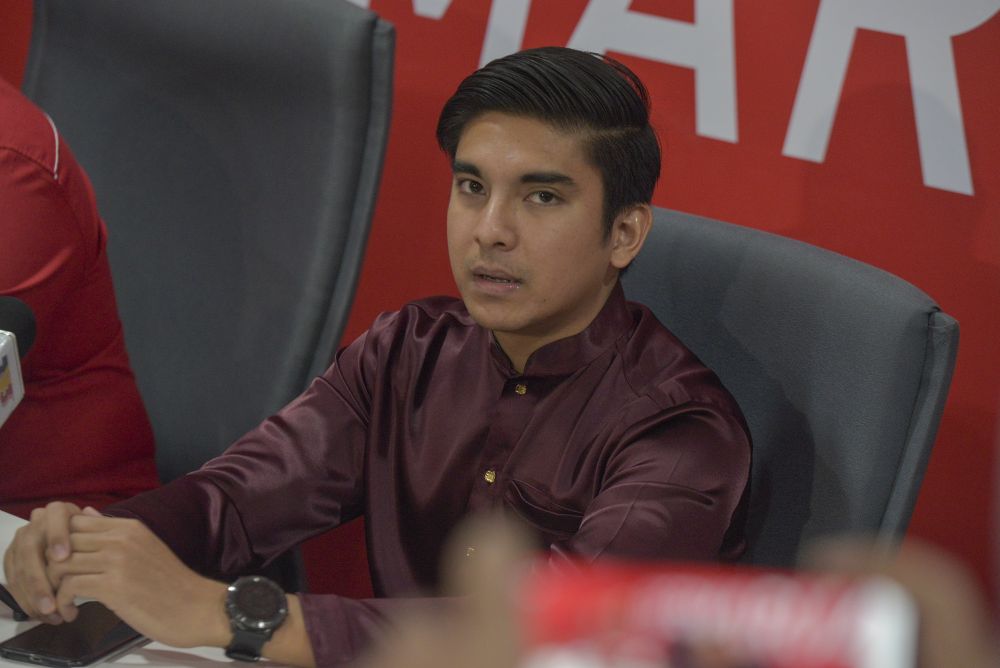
(246, 644)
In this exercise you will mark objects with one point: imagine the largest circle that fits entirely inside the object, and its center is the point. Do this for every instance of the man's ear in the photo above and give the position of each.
(629, 233)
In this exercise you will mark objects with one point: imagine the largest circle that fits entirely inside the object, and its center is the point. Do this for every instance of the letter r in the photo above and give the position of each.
(927, 26)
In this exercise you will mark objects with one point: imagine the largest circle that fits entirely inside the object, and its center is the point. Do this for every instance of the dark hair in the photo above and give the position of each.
(573, 91)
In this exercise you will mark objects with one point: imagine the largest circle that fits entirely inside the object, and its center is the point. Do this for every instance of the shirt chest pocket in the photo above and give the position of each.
(535, 507)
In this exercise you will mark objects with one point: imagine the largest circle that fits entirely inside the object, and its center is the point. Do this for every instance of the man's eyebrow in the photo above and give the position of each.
(548, 177)
(460, 167)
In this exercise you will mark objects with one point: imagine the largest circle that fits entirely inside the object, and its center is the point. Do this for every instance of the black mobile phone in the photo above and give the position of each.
(96, 633)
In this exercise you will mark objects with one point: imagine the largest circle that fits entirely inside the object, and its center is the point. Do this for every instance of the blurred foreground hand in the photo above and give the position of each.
(482, 630)
(956, 628)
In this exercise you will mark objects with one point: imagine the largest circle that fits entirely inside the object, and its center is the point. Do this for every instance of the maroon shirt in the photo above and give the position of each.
(616, 442)
(81, 432)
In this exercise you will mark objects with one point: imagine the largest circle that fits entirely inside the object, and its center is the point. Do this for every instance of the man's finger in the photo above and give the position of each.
(74, 586)
(12, 585)
(79, 564)
(83, 541)
(84, 522)
(57, 517)
(26, 577)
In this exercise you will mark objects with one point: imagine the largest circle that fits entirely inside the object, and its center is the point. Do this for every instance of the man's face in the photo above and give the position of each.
(525, 233)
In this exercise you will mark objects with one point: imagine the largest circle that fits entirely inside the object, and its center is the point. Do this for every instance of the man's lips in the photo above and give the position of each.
(492, 281)
(496, 279)
(493, 275)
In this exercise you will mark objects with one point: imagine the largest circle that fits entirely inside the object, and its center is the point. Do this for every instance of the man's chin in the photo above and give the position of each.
(490, 316)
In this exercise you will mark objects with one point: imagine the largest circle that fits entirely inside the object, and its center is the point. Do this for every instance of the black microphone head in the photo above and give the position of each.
(16, 317)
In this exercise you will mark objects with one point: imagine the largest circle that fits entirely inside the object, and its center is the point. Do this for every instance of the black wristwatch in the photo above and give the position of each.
(256, 607)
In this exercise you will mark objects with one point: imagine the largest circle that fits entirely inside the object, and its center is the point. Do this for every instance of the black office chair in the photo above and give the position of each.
(235, 147)
(841, 369)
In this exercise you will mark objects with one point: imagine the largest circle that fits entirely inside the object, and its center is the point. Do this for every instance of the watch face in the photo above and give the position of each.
(256, 602)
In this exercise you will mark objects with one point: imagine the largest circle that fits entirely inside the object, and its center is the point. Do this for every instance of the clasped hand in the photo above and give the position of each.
(65, 552)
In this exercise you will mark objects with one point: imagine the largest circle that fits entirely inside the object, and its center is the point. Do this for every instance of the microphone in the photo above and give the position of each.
(17, 333)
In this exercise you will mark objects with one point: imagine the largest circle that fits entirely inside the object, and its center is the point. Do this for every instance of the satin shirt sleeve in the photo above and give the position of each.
(296, 475)
(682, 502)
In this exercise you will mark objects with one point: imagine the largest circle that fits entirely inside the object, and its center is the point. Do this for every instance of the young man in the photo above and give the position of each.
(541, 394)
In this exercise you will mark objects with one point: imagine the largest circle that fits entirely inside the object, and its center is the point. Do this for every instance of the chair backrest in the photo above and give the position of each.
(235, 148)
(841, 369)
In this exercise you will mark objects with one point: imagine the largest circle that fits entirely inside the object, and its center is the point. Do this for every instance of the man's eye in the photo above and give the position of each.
(470, 186)
(543, 197)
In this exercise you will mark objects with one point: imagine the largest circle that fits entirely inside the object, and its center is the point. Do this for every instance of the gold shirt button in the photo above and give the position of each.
(469, 551)
(490, 476)
(521, 388)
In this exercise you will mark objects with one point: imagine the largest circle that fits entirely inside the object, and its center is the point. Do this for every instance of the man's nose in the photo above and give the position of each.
(496, 226)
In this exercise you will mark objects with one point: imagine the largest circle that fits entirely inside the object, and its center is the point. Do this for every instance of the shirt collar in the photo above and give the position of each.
(563, 357)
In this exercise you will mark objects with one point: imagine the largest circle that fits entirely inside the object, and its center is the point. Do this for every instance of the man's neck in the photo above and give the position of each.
(519, 347)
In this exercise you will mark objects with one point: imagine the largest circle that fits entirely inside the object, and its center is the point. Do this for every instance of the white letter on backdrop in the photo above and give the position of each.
(505, 29)
(431, 9)
(706, 46)
(927, 26)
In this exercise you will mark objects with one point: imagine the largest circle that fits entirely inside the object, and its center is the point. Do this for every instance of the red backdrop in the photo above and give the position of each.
(745, 116)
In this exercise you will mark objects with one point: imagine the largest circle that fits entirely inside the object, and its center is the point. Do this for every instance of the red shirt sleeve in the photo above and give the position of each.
(46, 249)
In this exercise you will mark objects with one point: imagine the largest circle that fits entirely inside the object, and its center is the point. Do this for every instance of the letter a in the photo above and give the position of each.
(705, 46)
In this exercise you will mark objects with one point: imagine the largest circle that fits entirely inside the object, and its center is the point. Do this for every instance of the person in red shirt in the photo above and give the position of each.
(81, 431)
